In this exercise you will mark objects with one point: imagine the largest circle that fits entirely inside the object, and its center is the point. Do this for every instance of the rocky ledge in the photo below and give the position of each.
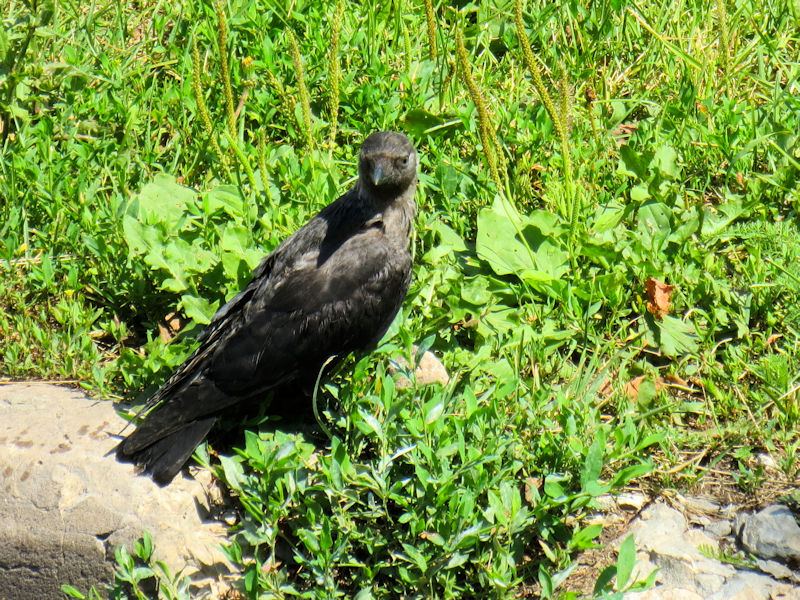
(65, 503)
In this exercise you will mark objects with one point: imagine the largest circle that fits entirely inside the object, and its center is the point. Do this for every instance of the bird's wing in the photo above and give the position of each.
(233, 315)
(235, 304)
(313, 311)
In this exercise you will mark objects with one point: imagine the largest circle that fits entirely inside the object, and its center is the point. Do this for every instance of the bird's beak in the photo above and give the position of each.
(377, 175)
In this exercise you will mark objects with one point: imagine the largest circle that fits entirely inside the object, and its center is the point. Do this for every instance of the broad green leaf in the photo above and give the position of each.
(608, 216)
(433, 410)
(582, 539)
(497, 320)
(370, 424)
(717, 218)
(646, 393)
(420, 121)
(181, 256)
(594, 458)
(134, 234)
(545, 581)
(604, 579)
(654, 225)
(665, 159)
(449, 240)
(630, 473)
(640, 193)
(527, 247)
(199, 310)
(363, 594)
(552, 485)
(475, 290)
(165, 201)
(633, 163)
(416, 557)
(458, 559)
(223, 197)
(625, 561)
(675, 336)
(233, 470)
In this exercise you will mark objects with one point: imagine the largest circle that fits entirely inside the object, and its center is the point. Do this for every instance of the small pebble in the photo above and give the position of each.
(719, 529)
(631, 501)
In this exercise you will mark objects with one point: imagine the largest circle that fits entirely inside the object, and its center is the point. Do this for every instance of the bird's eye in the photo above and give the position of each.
(402, 163)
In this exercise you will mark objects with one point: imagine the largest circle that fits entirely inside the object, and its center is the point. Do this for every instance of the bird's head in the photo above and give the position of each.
(388, 162)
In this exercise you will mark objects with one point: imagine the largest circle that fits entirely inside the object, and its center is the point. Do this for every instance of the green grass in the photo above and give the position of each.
(145, 170)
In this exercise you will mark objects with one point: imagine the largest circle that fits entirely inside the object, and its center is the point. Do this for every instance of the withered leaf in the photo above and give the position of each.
(658, 296)
(632, 387)
(170, 326)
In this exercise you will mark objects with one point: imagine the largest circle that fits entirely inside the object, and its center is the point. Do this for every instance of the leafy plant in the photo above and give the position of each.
(138, 576)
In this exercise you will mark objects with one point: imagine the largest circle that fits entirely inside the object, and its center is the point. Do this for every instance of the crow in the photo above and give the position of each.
(331, 288)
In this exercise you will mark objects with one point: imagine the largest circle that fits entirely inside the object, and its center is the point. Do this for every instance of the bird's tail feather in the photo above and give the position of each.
(163, 458)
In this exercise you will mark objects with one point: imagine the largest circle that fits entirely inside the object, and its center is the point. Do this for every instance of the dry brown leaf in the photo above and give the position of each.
(658, 296)
(623, 131)
(674, 379)
(164, 333)
(771, 339)
(170, 326)
(632, 387)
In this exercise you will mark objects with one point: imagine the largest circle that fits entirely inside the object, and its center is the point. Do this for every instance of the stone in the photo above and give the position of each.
(668, 540)
(777, 570)
(771, 533)
(643, 567)
(658, 521)
(680, 566)
(429, 370)
(698, 538)
(765, 460)
(699, 505)
(664, 592)
(745, 586)
(720, 528)
(65, 501)
(662, 531)
(784, 592)
(631, 501)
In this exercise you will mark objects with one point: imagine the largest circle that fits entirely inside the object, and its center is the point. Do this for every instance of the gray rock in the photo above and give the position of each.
(656, 523)
(64, 503)
(777, 570)
(700, 506)
(631, 501)
(665, 592)
(785, 592)
(719, 529)
(766, 460)
(770, 533)
(663, 533)
(665, 540)
(745, 586)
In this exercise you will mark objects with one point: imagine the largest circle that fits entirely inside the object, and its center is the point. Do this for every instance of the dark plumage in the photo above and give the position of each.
(332, 287)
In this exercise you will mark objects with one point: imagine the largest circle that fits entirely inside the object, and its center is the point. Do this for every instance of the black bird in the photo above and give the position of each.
(332, 287)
